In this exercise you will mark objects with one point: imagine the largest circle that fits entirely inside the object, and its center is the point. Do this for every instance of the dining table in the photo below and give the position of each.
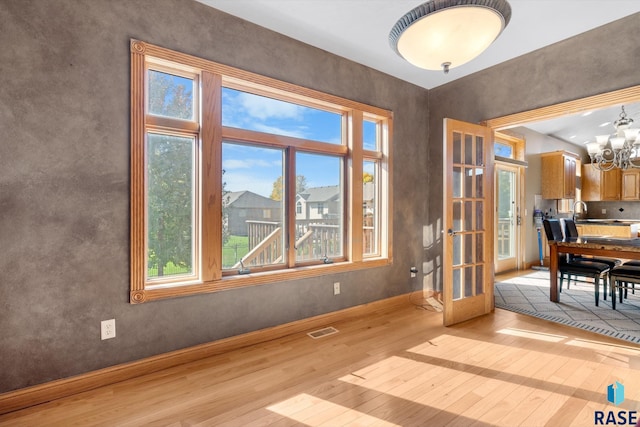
(621, 248)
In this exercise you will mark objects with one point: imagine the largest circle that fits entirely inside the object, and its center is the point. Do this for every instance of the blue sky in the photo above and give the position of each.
(256, 169)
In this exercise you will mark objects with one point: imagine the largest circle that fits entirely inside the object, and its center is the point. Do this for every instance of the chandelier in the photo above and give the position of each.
(618, 151)
(443, 34)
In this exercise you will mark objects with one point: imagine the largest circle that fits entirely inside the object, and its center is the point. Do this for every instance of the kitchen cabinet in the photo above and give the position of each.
(600, 185)
(559, 171)
(630, 184)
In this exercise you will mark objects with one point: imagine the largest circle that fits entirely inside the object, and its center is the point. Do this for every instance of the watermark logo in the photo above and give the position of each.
(615, 393)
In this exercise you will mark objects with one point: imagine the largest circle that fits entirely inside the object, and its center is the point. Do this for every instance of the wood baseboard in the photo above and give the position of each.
(35, 395)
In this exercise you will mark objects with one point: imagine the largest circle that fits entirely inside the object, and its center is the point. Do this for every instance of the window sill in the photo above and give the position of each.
(253, 279)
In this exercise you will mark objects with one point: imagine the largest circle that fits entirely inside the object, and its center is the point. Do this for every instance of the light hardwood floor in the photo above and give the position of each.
(399, 367)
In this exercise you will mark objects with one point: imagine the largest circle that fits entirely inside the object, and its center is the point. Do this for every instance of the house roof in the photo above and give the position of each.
(248, 199)
(321, 194)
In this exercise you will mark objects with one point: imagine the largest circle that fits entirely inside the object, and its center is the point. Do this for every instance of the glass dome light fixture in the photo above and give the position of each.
(618, 151)
(443, 34)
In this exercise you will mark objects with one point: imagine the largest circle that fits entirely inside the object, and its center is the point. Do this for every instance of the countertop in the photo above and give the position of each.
(618, 222)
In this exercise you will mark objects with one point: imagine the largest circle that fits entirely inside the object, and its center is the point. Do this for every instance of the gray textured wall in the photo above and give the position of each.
(64, 183)
(604, 59)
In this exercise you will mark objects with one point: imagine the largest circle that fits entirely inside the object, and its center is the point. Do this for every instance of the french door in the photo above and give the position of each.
(468, 221)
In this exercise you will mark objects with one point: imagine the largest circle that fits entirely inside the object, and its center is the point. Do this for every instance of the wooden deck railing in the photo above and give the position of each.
(313, 241)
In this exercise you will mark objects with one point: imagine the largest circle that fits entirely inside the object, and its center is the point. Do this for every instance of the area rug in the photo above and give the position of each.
(529, 294)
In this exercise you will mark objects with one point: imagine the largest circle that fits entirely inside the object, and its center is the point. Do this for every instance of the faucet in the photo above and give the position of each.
(576, 203)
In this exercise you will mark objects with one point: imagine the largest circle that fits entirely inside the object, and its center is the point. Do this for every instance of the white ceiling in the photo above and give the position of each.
(359, 29)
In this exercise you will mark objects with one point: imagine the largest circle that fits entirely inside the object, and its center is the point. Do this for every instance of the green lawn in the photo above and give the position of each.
(232, 251)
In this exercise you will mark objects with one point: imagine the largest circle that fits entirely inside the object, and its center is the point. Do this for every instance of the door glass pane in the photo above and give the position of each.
(457, 182)
(468, 249)
(468, 281)
(468, 150)
(469, 177)
(457, 249)
(479, 247)
(479, 280)
(457, 215)
(170, 205)
(252, 206)
(479, 182)
(506, 215)
(457, 148)
(480, 151)
(479, 216)
(468, 216)
(319, 227)
(457, 283)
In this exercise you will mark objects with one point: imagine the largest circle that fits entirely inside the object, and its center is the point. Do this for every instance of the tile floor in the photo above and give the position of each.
(529, 294)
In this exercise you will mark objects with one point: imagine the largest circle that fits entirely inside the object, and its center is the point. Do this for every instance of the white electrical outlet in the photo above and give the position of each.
(336, 288)
(604, 211)
(108, 329)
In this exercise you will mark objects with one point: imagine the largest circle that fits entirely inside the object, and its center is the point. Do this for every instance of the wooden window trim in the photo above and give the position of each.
(211, 133)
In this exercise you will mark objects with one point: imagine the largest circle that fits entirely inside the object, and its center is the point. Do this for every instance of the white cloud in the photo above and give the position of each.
(278, 131)
(241, 182)
(267, 108)
(231, 164)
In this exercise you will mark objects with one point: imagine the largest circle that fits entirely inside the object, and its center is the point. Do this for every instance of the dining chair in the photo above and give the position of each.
(623, 278)
(578, 268)
(572, 231)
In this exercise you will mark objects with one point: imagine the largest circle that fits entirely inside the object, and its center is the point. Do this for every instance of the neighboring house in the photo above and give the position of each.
(319, 203)
(246, 206)
(324, 202)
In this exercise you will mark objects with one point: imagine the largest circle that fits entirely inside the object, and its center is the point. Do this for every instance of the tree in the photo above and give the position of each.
(170, 202)
(276, 193)
(367, 177)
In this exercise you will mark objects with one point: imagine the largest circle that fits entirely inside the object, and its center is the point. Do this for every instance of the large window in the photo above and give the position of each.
(238, 179)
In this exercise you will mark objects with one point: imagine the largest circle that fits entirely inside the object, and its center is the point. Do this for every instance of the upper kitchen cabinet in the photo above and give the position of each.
(631, 184)
(600, 185)
(559, 171)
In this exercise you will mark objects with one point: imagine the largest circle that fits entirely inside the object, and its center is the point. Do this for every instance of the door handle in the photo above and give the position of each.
(450, 232)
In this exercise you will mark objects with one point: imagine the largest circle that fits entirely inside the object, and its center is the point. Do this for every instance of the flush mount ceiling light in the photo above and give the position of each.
(443, 34)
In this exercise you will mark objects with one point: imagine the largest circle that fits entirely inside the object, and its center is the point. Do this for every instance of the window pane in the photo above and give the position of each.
(170, 95)
(370, 135)
(254, 112)
(252, 206)
(503, 150)
(170, 201)
(370, 209)
(319, 226)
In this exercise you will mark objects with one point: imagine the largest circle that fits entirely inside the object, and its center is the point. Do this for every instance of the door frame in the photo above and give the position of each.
(630, 94)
